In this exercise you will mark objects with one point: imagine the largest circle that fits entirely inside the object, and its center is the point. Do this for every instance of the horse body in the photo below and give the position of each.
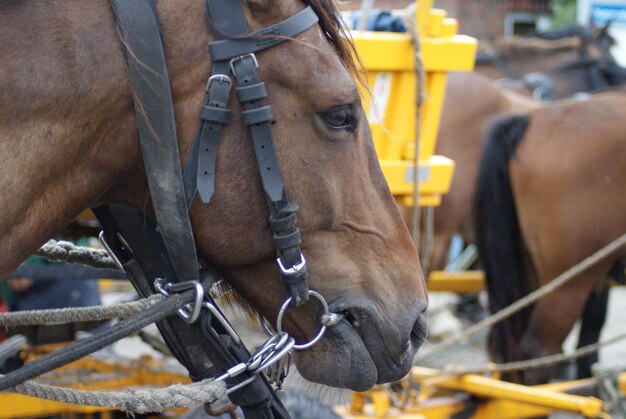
(471, 103)
(68, 141)
(564, 201)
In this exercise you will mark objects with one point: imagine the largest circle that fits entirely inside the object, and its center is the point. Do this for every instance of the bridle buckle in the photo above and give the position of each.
(295, 269)
(219, 78)
(241, 57)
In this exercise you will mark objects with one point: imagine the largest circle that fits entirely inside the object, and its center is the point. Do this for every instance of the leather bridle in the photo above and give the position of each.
(160, 255)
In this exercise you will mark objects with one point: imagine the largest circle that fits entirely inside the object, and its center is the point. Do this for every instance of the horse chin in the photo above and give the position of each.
(340, 359)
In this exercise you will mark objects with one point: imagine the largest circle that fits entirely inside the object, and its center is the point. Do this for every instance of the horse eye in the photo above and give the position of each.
(340, 118)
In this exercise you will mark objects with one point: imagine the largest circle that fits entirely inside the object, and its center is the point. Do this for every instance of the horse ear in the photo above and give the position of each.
(602, 31)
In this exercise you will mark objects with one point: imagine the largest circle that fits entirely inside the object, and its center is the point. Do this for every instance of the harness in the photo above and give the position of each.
(541, 84)
(160, 255)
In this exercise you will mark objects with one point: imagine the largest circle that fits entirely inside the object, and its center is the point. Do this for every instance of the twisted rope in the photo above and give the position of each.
(528, 300)
(545, 361)
(62, 251)
(77, 350)
(137, 400)
(78, 314)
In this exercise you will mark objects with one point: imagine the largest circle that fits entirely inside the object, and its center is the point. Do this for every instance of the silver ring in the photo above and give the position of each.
(313, 341)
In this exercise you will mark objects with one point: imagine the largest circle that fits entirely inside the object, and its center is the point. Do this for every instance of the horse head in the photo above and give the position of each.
(359, 254)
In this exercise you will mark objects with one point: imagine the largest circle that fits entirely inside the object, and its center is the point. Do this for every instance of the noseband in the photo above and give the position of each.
(161, 256)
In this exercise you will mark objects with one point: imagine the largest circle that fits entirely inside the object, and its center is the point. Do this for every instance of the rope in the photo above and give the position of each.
(84, 347)
(528, 299)
(410, 22)
(137, 400)
(426, 245)
(535, 363)
(62, 251)
(78, 314)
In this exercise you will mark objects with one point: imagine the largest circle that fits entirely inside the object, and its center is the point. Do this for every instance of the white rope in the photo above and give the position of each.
(137, 400)
(77, 314)
(62, 251)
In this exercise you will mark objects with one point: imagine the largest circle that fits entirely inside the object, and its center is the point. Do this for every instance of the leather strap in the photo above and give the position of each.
(137, 244)
(262, 39)
(257, 116)
(154, 113)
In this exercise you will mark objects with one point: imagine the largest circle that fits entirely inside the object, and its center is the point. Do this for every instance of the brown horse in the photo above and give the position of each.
(550, 193)
(471, 103)
(554, 65)
(68, 141)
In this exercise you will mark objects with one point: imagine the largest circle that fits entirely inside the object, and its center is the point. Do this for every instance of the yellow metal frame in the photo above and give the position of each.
(391, 108)
(432, 396)
(459, 282)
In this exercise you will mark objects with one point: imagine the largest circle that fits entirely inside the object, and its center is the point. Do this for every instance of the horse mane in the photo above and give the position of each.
(332, 25)
(567, 32)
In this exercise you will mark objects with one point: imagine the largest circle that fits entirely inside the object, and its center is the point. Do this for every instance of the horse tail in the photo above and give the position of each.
(498, 235)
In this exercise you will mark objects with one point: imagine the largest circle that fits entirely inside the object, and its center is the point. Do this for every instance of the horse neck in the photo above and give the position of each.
(517, 103)
(528, 58)
(67, 119)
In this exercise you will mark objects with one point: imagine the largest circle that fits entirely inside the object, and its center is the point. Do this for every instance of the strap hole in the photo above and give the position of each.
(269, 168)
(206, 149)
(262, 147)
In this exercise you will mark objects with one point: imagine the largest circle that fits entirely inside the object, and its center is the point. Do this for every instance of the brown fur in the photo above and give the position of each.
(68, 141)
(471, 103)
(568, 181)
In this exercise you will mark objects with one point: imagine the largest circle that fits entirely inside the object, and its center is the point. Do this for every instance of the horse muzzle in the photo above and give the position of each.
(366, 347)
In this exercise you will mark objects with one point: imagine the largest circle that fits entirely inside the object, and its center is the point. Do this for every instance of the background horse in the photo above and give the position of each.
(556, 63)
(550, 193)
(68, 141)
(472, 102)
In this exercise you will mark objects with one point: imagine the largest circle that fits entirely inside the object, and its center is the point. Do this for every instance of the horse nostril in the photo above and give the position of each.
(419, 330)
(351, 318)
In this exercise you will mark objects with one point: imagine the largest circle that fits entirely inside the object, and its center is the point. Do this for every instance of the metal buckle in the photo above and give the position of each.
(241, 57)
(190, 312)
(220, 78)
(295, 269)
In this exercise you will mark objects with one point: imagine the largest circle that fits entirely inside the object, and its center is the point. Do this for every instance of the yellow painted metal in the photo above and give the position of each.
(391, 107)
(516, 396)
(621, 382)
(427, 394)
(461, 282)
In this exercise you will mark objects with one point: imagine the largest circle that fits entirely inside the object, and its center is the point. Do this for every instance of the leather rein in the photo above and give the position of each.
(160, 255)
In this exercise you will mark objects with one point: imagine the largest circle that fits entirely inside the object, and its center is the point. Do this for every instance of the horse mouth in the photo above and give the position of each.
(356, 354)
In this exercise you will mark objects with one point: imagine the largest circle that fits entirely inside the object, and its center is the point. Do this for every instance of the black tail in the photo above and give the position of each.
(498, 235)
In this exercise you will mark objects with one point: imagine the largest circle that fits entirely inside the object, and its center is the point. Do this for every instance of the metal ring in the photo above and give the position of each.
(265, 325)
(313, 341)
